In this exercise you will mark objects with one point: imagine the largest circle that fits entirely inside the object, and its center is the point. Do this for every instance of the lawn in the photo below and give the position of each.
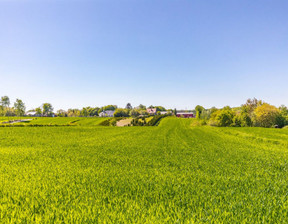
(172, 173)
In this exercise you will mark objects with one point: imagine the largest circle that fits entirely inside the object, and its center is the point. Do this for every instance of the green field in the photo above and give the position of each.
(172, 173)
(55, 121)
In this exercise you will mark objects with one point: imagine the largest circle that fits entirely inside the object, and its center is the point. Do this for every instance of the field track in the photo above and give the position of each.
(172, 173)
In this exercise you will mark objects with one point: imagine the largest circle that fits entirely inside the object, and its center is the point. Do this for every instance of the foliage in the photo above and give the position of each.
(62, 113)
(199, 109)
(47, 109)
(134, 113)
(160, 108)
(19, 107)
(155, 120)
(5, 101)
(224, 117)
(110, 121)
(266, 115)
(38, 111)
(121, 113)
(141, 107)
(108, 107)
(129, 106)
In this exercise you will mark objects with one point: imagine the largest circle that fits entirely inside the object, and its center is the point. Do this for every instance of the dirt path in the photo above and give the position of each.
(15, 121)
(124, 122)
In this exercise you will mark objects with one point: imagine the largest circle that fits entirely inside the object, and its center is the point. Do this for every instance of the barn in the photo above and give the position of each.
(185, 114)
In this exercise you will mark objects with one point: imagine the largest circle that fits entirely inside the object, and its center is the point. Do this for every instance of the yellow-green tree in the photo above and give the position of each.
(266, 115)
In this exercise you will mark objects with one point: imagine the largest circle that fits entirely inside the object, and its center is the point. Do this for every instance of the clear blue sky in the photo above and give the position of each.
(160, 52)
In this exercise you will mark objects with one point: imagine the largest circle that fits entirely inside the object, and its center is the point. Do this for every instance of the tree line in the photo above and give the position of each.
(47, 110)
(254, 113)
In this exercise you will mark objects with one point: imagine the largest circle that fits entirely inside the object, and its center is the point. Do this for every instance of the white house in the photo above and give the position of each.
(107, 113)
(32, 114)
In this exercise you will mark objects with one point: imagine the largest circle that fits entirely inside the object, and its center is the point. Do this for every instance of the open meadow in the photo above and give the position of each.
(171, 173)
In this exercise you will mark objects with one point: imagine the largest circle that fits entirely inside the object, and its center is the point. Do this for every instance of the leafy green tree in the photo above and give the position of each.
(245, 119)
(85, 111)
(129, 106)
(38, 111)
(143, 112)
(121, 113)
(175, 111)
(2, 110)
(47, 109)
(19, 107)
(62, 113)
(5, 101)
(134, 113)
(283, 110)
(93, 111)
(160, 108)
(108, 107)
(224, 117)
(141, 107)
(251, 105)
(199, 109)
(266, 115)
(74, 113)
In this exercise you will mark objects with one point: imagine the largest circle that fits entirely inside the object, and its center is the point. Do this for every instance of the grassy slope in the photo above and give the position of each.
(173, 172)
(86, 121)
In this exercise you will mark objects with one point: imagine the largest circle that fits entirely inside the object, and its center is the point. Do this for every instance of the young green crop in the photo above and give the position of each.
(172, 173)
(54, 121)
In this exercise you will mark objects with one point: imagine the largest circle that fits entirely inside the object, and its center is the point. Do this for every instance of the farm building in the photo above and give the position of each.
(31, 114)
(107, 113)
(164, 112)
(152, 111)
(185, 114)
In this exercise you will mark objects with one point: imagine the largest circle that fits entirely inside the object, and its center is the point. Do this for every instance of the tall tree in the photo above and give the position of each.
(5, 103)
(38, 111)
(19, 107)
(266, 115)
(199, 109)
(128, 106)
(47, 109)
(141, 107)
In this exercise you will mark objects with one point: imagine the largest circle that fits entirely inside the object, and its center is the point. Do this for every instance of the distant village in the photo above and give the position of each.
(152, 112)
(113, 113)
(254, 113)
(18, 108)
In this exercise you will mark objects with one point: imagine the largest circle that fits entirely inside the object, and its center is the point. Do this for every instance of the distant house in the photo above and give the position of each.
(164, 112)
(107, 113)
(152, 111)
(185, 114)
(32, 114)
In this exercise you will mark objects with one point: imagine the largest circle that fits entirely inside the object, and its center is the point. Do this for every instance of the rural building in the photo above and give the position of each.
(152, 111)
(164, 112)
(107, 113)
(32, 114)
(185, 114)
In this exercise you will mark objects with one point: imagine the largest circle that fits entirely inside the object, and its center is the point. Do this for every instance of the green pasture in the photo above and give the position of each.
(172, 173)
(55, 121)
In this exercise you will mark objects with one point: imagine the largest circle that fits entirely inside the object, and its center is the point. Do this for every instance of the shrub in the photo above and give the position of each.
(155, 120)
(121, 113)
(223, 118)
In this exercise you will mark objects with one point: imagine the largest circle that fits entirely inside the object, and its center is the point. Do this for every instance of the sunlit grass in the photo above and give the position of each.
(170, 173)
